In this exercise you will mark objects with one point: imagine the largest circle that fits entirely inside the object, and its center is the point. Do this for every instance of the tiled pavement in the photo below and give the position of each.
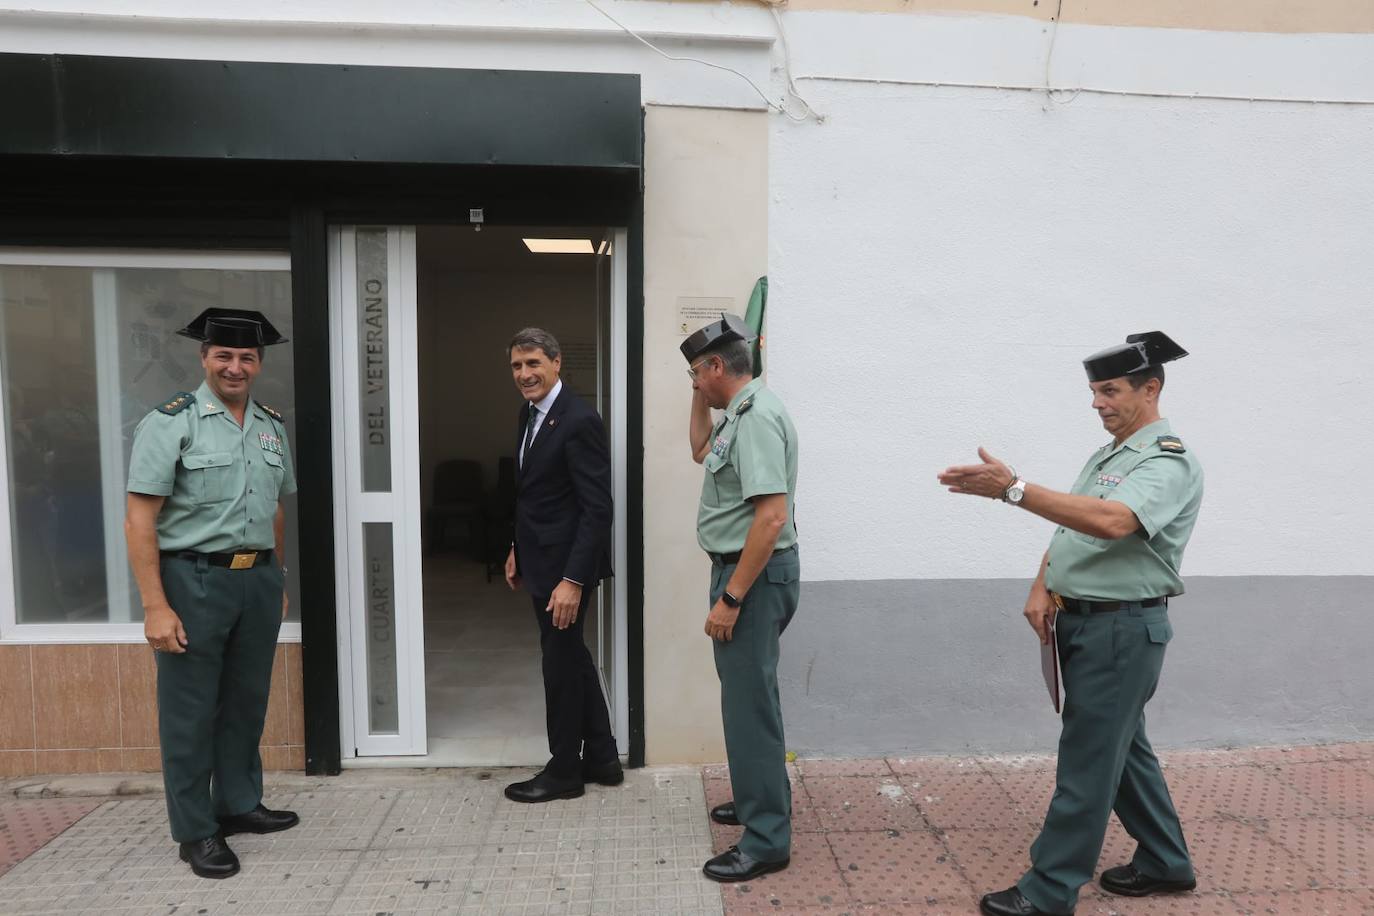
(386, 841)
(1272, 830)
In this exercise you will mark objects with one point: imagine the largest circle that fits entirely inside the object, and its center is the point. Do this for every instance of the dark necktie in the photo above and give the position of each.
(529, 434)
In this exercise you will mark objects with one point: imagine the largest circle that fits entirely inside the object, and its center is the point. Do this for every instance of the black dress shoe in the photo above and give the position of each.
(1126, 881)
(725, 814)
(544, 788)
(1011, 902)
(606, 774)
(259, 820)
(210, 857)
(733, 865)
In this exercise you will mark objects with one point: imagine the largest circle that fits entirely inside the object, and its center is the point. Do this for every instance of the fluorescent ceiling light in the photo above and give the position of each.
(559, 246)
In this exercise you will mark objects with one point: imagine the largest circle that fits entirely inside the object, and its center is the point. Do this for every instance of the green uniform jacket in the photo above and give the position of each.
(222, 482)
(1160, 480)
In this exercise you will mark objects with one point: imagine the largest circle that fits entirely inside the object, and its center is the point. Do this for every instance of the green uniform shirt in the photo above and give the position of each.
(1164, 490)
(222, 482)
(753, 453)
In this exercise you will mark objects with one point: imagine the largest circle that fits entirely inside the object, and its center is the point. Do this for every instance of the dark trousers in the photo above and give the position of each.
(212, 699)
(574, 708)
(750, 708)
(1111, 664)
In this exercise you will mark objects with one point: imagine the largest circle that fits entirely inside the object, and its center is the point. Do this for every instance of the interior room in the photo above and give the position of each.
(484, 691)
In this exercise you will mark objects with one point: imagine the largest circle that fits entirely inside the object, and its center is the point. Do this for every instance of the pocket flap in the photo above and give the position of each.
(1160, 632)
(272, 458)
(207, 460)
(782, 574)
(713, 462)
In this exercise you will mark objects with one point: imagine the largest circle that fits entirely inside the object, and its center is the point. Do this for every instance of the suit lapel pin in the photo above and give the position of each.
(553, 421)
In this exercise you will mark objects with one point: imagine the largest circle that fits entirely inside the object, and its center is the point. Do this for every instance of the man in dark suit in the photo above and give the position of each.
(562, 550)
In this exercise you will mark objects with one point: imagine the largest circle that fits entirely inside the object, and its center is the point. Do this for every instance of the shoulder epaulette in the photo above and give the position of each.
(1171, 444)
(270, 412)
(176, 405)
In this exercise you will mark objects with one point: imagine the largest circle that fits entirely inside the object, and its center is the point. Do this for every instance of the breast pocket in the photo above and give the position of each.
(722, 481)
(209, 476)
(275, 470)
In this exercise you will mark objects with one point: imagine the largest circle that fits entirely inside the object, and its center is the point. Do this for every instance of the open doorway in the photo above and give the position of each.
(483, 688)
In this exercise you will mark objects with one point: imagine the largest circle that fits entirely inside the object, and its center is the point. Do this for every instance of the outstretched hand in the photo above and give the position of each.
(990, 479)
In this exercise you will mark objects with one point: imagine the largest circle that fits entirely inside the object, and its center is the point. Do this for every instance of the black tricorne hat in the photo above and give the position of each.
(730, 327)
(232, 328)
(1138, 353)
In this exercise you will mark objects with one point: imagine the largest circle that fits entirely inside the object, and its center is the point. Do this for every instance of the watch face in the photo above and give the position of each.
(1015, 493)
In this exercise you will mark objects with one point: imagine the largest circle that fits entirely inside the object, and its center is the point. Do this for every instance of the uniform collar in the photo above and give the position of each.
(748, 391)
(1143, 437)
(209, 405)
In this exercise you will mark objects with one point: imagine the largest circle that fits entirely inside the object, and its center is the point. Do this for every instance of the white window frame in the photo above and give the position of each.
(11, 631)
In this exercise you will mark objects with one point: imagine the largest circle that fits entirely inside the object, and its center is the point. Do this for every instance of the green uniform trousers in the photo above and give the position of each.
(212, 699)
(1111, 664)
(750, 707)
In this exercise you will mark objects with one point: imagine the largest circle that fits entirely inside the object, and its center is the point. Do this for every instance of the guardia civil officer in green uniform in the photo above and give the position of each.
(745, 525)
(205, 528)
(1105, 584)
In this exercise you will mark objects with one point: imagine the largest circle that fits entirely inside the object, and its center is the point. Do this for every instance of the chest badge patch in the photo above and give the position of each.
(1108, 480)
(270, 443)
(720, 446)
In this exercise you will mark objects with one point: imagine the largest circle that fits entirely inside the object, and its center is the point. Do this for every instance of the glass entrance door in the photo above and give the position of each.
(377, 489)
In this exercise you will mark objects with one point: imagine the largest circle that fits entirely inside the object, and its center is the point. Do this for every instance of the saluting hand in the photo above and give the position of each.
(990, 479)
(163, 630)
(720, 623)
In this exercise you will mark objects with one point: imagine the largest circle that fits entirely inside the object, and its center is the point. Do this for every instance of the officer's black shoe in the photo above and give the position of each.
(210, 857)
(725, 814)
(733, 865)
(544, 788)
(606, 774)
(1126, 881)
(259, 820)
(1011, 902)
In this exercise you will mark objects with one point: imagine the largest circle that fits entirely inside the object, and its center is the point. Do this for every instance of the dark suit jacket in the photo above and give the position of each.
(563, 498)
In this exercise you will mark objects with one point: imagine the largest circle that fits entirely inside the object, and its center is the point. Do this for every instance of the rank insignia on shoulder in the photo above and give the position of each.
(177, 404)
(271, 413)
(1171, 444)
(744, 406)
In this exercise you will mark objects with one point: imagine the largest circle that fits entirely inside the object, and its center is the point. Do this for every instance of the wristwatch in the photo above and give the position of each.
(729, 599)
(1014, 493)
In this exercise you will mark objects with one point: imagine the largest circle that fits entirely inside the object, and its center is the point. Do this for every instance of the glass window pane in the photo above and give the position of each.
(379, 583)
(86, 353)
(374, 398)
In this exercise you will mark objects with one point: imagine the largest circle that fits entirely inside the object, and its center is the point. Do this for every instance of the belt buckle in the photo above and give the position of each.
(244, 560)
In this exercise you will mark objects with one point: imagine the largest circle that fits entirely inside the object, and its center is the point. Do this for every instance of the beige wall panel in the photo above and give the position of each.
(1340, 16)
(76, 697)
(705, 235)
(138, 695)
(16, 698)
(16, 763)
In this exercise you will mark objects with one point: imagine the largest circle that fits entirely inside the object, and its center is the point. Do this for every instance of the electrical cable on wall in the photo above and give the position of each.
(772, 105)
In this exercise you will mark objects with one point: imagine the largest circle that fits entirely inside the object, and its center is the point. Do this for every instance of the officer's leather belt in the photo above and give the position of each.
(243, 559)
(727, 559)
(1079, 606)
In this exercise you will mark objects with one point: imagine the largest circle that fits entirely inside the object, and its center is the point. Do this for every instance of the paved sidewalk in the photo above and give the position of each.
(384, 841)
(1273, 831)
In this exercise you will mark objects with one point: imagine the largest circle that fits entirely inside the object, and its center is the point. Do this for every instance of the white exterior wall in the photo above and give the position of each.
(943, 249)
